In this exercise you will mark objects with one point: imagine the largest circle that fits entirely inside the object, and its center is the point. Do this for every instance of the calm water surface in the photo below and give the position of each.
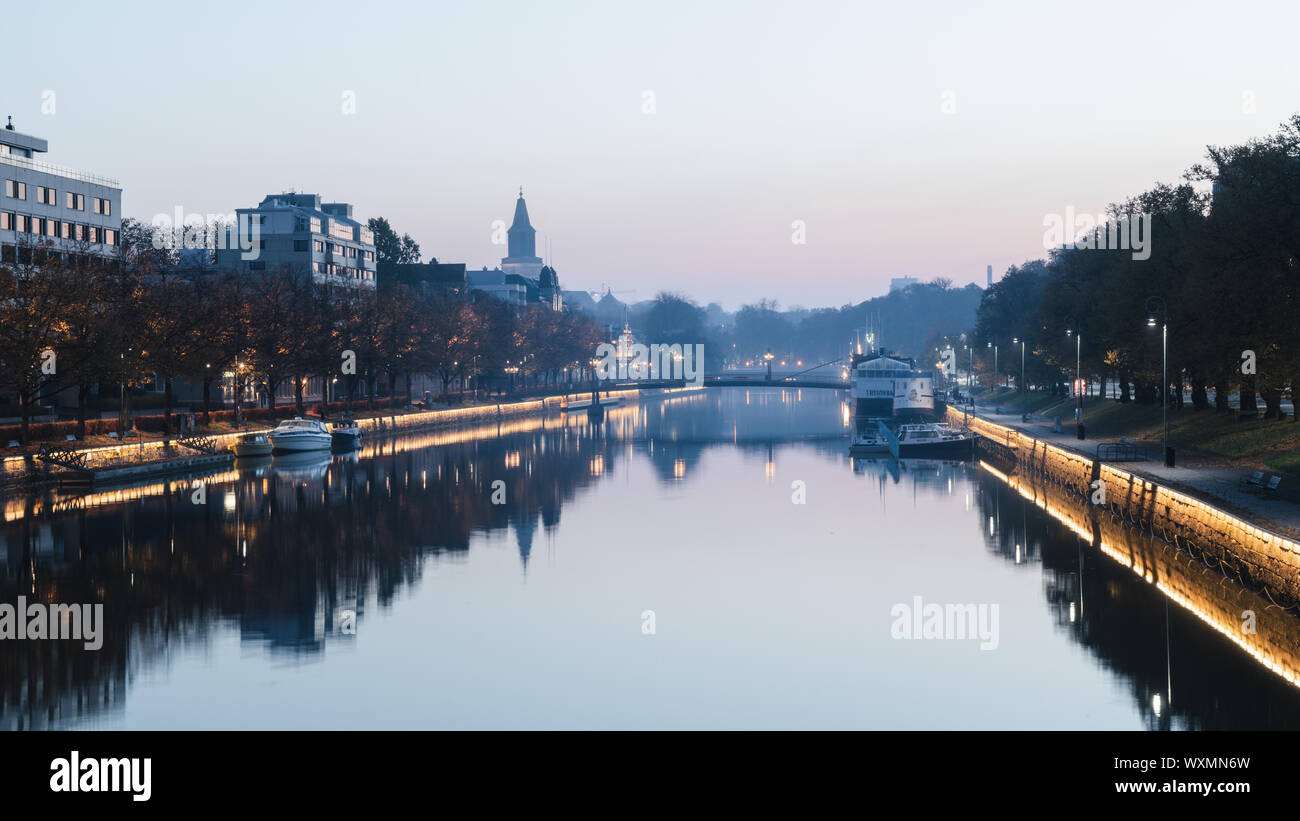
(533, 613)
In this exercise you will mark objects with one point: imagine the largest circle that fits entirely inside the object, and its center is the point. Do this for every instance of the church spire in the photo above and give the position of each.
(522, 237)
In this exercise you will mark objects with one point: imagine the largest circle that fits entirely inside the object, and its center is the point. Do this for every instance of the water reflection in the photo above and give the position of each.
(684, 500)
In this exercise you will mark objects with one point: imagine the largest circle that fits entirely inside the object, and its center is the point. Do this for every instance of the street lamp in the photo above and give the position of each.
(1072, 329)
(995, 367)
(769, 357)
(1023, 395)
(1156, 304)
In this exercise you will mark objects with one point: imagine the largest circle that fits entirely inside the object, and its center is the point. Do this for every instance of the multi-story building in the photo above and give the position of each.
(301, 233)
(47, 205)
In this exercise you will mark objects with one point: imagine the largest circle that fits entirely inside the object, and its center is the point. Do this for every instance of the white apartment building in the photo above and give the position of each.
(48, 205)
(301, 233)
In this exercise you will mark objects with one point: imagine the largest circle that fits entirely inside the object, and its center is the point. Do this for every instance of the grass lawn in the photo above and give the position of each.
(1252, 442)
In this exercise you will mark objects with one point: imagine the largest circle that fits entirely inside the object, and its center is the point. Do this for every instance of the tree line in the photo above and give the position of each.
(80, 322)
(1222, 272)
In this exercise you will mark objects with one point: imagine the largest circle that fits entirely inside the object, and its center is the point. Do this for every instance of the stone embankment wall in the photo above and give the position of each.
(1259, 555)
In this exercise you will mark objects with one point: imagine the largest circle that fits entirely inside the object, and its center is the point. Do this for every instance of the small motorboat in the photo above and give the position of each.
(298, 434)
(934, 440)
(346, 434)
(869, 444)
(251, 445)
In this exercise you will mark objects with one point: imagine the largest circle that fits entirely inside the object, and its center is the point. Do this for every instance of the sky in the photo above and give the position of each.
(685, 147)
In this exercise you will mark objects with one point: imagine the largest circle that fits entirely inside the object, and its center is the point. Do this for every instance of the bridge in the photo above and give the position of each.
(760, 381)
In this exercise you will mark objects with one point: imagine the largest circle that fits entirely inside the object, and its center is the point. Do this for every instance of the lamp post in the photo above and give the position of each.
(769, 357)
(1153, 305)
(995, 367)
(1072, 329)
(1023, 395)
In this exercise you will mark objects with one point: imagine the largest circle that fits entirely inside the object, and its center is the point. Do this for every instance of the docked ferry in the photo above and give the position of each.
(914, 396)
(874, 378)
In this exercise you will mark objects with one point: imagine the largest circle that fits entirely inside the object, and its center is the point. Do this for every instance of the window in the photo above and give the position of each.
(15, 190)
(110, 236)
(38, 226)
(77, 202)
(67, 230)
(300, 245)
(20, 223)
(4, 149)
(46, 196)
(6, 221)
(103, 206)
(52, 228)
(320, 247)
(79, 232)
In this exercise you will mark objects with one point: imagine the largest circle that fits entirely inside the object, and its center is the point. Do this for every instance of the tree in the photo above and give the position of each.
(390, 249)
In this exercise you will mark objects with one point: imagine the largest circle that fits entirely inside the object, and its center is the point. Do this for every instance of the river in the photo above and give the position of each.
(707, 560)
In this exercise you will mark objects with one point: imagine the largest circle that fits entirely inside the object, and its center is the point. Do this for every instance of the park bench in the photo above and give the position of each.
(1256, 479)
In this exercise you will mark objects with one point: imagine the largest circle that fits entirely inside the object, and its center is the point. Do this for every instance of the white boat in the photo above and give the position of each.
(873, 378)
(298, 434)
(252, 445)
(935, 440)
(914, 396)
(869, 444)
(346, 434)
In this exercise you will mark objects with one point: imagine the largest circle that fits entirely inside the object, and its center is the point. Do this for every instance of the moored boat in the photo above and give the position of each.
(346, 434)
(869, 444)
(251, 445)
(298, 434)
(935, 440)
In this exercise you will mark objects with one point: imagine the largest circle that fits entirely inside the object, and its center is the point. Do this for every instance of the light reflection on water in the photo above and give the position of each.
(767, 612)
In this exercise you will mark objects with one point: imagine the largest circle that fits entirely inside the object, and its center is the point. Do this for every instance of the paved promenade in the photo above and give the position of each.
(1204, 477)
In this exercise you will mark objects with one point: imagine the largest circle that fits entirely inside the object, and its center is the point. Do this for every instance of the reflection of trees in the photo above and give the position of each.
(281, 552)
(285, 547)
(1135, 630)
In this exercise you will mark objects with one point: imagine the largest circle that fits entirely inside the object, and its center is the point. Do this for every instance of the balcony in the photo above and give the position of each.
(58, 170)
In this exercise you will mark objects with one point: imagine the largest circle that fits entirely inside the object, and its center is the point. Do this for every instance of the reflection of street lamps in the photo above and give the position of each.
(769, 357)
(1153, 305)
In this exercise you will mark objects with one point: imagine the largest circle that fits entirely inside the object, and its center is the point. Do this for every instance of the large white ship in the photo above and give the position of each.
(875, 376)
(914, 396)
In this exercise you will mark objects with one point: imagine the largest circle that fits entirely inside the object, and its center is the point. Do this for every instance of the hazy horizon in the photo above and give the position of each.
(763, 115)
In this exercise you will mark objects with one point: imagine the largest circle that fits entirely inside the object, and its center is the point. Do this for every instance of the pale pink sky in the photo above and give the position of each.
(765, 113)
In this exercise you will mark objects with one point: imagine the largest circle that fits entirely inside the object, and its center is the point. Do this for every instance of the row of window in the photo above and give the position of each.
(56, 229)
(343, 271)
(16, 190)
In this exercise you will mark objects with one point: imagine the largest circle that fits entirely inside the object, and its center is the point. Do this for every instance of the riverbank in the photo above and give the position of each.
(1216, 479)
(155, 456)
(1205, 437)
(1259, 538)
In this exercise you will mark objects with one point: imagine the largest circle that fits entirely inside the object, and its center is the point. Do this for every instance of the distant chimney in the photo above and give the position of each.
(990, 275)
